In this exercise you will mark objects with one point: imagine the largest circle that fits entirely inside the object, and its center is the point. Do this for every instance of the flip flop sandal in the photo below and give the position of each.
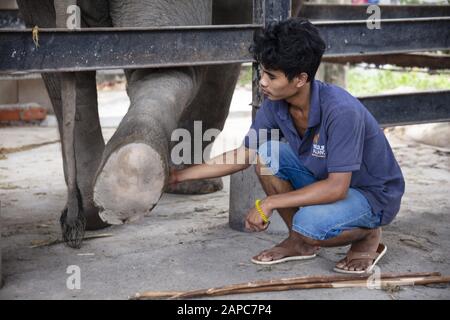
(284, 259)
(374, 256)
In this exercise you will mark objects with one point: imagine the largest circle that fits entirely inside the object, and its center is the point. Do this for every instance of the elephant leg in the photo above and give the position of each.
(89, 143)
(134, 167)
(73, 222)
(210, 106)
(88, 139)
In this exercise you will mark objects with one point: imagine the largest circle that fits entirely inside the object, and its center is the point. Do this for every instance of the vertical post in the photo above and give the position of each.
(276, 10)
(245, 187)
(332, 72)
(1, 278)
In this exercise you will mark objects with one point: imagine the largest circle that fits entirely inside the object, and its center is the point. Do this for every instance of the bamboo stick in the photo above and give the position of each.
(306, 282)
(334, 285)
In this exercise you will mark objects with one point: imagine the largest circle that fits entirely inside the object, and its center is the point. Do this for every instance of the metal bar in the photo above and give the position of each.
(276, 10)
(11, 19)
(433, 62)
(395, 36)
(258, 11)
(409, 108)
(359, 12)
(109, 48)
(266, 11)
(258, 17)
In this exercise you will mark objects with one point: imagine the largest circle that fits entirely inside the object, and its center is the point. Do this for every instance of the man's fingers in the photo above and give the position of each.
(263, 226)
(251, 226)
(254, 226)
(247, 225)
(259, 227)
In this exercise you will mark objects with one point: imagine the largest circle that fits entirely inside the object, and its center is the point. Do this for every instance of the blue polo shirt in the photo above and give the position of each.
(342, 136)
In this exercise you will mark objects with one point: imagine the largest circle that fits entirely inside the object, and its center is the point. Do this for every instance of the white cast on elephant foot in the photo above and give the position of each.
(130, 183)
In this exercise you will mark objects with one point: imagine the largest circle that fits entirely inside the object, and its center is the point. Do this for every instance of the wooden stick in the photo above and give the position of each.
(338, 284)
(306, 285)
(295, 281)
(286, 283)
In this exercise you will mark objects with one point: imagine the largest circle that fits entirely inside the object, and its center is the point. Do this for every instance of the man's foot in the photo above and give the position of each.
(362, 254)
(288, 250)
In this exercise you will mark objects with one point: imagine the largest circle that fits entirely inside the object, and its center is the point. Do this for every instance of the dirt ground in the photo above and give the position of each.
(185, 243)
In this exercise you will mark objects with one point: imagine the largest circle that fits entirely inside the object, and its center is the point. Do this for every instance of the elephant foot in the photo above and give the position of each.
(93, 220)
(130, 183)
(73, 227)
(197, 186)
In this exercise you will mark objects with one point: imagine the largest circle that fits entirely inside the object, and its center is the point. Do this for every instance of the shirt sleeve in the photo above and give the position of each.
(260, 130)
(345, 142)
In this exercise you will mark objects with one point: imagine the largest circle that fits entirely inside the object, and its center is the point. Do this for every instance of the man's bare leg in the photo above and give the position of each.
(361, 240)
(292, 246)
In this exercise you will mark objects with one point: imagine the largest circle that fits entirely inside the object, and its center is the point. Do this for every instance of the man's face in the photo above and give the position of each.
(275, 85)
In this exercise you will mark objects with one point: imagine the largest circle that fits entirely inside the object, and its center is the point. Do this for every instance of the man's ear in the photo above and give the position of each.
(302, 78)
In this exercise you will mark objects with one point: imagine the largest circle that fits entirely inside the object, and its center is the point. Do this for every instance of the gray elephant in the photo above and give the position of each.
(125, 179)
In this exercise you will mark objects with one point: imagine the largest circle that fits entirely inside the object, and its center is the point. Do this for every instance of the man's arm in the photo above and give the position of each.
(222, 165)
(329, 190)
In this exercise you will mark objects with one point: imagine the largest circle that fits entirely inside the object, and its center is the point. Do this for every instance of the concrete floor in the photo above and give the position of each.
(185, 243)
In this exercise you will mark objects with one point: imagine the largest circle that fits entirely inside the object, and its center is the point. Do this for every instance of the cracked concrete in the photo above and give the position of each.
(185, 242)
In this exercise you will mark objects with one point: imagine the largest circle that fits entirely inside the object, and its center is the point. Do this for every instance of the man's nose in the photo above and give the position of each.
(263, 82)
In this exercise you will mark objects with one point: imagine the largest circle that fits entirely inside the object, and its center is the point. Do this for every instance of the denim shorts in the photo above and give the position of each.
(324, 221)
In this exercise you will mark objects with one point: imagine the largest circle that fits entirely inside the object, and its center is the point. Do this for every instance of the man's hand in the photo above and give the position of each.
(173, 177)
(254, 222)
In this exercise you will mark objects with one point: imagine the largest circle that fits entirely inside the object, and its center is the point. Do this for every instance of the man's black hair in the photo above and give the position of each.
(292, 46)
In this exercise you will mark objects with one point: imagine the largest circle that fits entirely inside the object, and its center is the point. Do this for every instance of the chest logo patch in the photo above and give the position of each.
(318, 150)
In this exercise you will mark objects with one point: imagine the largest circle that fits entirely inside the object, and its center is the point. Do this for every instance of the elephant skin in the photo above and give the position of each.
(123, 180)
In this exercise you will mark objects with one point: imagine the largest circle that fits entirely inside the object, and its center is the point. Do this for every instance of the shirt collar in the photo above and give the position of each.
(314, 106)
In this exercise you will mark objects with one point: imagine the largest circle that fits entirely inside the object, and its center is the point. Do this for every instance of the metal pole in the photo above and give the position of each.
(245, 186)
(1, 278)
